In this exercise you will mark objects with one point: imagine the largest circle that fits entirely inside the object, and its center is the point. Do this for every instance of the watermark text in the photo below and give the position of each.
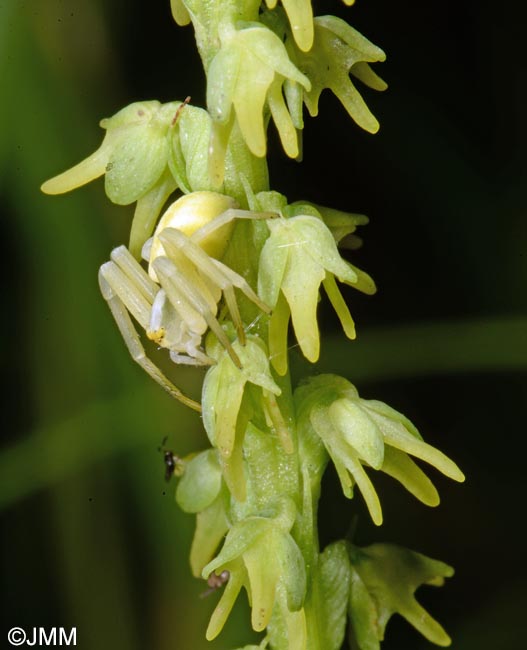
(41, 636)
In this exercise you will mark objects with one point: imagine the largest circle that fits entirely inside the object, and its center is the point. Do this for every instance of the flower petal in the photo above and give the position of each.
(147, 212)
(84, 172)
(403, 469)
(339, 305)
(397, 436)
(211, 526)
(136, 162)
(278, 329)
(266, 45)
(201, 482)
(358, 430)
(345, 455)
(263, 569)
(272, 265)
(282, 119)
(227, 600)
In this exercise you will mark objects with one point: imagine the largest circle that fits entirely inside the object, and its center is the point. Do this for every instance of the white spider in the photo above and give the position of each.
(177, 300)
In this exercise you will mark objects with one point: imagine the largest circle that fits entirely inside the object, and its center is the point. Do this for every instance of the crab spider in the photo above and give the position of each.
(176, 301)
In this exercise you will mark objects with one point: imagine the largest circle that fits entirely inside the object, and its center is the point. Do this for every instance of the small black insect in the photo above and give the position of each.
(170, 459)
(215, 582)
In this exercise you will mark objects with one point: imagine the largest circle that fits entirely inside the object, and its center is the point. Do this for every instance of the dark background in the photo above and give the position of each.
(92, 537)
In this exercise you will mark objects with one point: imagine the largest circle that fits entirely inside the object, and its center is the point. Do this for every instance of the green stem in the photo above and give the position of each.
(212, 18)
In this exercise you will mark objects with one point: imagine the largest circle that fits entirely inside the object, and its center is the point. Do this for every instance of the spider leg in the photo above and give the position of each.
(226, 217)
(241, 283)
(121, 286)
(176, 242)
(189, 303)
(131, 337)
(232, 304)
(131, 267)
(197, 359)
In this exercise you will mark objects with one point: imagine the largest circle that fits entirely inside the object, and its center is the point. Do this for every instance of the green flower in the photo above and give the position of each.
(224, 387)
(133, 154)
(152, 149)
(261, 556)
(232, 397)
(358, 432)
(133, 157)
(189, 158)
(337, 51)
(246, 73)
(384, 580)
(342, 225)
(299, 255)
(200, 491)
